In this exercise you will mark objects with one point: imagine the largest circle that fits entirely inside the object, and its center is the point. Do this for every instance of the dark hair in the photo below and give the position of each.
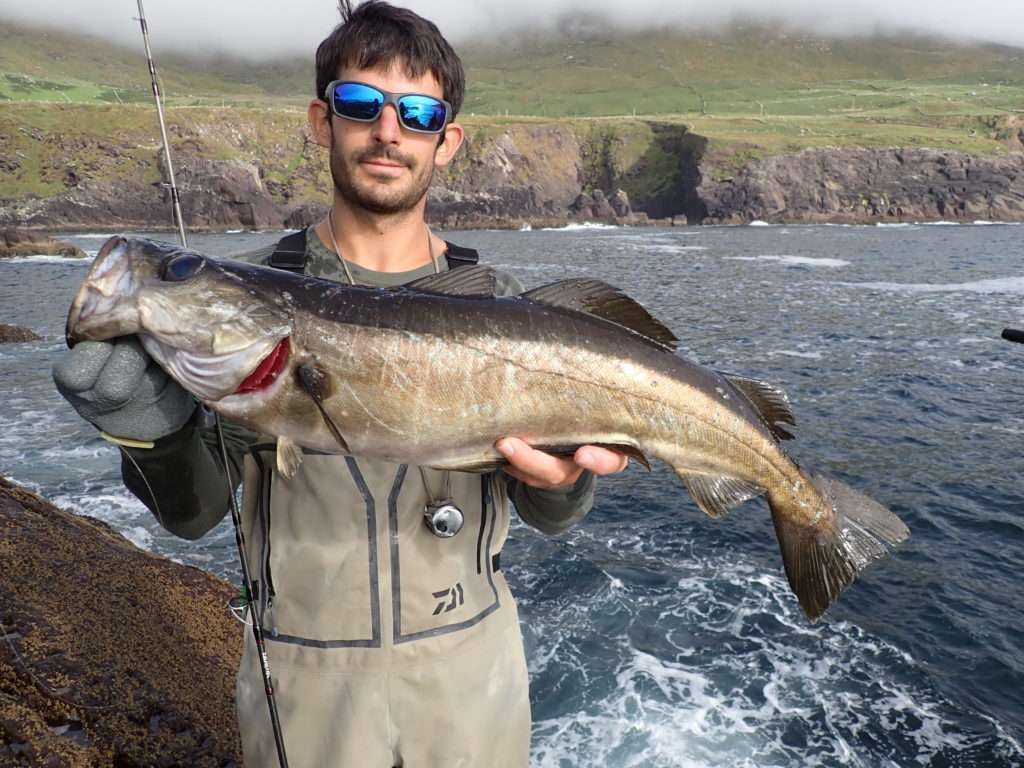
(376, 33)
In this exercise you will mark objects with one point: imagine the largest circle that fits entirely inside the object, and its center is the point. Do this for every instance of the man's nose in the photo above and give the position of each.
(387, 129)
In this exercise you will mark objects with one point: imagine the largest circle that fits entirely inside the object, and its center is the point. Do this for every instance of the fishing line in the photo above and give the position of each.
(257, 616)
(152, 494)
(236, 518)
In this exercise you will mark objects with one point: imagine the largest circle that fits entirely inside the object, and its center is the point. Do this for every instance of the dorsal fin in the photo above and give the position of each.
(464, 281)
(769, 401)
(598, 299)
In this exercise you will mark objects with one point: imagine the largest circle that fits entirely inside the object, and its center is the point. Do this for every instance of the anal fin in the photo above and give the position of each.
(717, 495)
(568, 451)
(481, 467)
(564, 451)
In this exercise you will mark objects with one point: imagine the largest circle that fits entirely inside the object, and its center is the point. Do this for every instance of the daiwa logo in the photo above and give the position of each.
(446, 604)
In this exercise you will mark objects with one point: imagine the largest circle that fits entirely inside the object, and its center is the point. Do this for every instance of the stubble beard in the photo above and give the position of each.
(382, 199)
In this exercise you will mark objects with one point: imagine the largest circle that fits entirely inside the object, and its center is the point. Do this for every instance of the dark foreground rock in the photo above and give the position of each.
(868, 186)
(22, 242)
(14, 334)
(123, 658)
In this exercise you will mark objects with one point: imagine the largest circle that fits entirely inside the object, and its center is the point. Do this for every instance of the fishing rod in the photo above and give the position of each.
(236, 517)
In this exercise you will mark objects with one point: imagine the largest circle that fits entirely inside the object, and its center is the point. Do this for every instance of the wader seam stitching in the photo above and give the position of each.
(483, 521)
(375, 640)
(470, 622)
(371, 537)
(262, 515)
(396, 585)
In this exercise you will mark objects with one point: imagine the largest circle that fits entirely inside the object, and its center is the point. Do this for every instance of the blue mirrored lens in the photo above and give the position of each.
(358, 102)
(422, 113)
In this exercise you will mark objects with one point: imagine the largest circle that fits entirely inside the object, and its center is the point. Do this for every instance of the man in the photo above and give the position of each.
(390, 640)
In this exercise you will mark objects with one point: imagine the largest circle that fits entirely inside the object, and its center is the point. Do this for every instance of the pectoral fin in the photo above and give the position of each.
(315, 383)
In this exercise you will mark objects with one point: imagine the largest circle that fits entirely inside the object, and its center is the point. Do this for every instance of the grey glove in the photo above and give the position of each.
(117, 387)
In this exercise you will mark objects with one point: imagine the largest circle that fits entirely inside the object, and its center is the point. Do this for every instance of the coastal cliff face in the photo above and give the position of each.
(869, 185)
(261, 170)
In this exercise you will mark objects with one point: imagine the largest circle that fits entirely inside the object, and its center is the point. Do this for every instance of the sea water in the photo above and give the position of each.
(655, 635)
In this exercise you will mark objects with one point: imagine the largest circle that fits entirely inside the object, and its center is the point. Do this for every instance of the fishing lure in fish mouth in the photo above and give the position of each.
(431, 374)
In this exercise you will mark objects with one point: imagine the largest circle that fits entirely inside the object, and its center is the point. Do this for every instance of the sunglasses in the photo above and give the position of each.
(416, 111)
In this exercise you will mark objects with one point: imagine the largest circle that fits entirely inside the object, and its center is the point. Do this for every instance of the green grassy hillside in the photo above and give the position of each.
(745, 71)
(752, 92)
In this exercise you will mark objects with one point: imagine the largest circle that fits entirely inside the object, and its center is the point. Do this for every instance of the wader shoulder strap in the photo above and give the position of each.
(290, 254)
(457, 256)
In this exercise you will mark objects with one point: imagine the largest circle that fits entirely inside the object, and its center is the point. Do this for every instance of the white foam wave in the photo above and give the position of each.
(110, 506)
(44, 259)
(759, 223)
(667, 248)
(577, 227)
(138, 536)
(1011, 285)
(93, 236)
(737, 678)
(796, 353)
(807, 261)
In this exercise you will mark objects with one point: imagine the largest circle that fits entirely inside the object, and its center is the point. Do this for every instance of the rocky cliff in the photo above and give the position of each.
(252, 169)
(20, 242)
(869, 185)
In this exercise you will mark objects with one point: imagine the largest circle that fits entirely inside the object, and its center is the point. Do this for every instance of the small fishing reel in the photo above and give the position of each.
(443, 518)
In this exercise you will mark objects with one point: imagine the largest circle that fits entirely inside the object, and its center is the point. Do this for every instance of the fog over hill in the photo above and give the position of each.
(263, 28)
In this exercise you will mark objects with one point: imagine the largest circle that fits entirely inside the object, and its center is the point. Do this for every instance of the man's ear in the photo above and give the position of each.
(449, 144)
(319, 115)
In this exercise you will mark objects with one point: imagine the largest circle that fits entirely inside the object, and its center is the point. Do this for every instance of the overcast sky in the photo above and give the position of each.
(262, 27)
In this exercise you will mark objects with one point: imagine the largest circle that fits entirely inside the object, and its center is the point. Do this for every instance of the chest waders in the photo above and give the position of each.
(290, 255)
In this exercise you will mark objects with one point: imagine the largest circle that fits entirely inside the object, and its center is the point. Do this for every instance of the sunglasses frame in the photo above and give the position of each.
(389, 98)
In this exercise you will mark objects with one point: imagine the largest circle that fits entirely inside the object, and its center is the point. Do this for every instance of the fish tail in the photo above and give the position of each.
(823, 558)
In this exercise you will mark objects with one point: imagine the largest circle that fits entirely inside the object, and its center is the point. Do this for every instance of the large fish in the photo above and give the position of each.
(434, 372)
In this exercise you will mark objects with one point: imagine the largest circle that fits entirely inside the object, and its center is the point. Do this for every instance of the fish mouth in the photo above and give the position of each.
(268, 370)
(110, 278)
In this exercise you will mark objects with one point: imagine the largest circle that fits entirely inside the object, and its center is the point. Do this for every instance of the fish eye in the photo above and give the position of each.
(180, 267)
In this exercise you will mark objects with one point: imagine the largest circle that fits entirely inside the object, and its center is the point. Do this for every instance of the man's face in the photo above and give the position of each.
(381, 166)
